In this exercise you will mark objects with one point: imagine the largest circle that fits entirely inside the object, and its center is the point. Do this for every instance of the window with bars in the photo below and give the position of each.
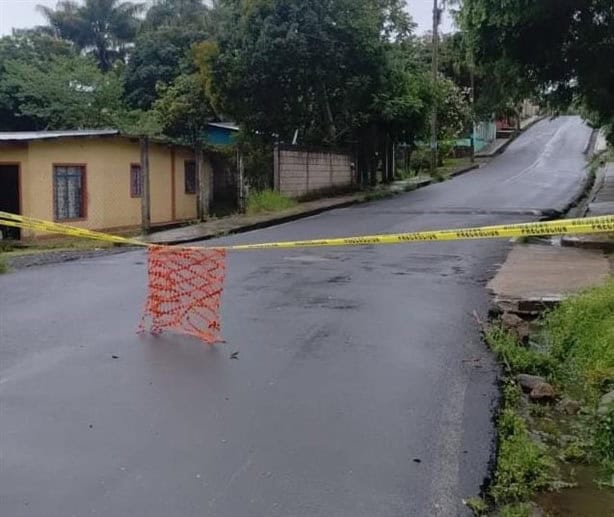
(69, 190)
(189, 168)
(136, 182)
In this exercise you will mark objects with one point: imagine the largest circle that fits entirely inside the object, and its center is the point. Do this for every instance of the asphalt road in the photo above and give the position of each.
(361, 387)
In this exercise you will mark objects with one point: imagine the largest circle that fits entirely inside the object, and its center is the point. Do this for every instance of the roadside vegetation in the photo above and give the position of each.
(547, 432)
(3, 265)
(268, 201)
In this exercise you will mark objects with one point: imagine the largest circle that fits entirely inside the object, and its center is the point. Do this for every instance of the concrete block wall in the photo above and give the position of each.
(300, 171)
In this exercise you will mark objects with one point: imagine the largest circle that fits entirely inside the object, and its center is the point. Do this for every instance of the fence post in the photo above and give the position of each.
(145, 190)
(307, 172)
(276, 171)
(240, 181)
(203, 190)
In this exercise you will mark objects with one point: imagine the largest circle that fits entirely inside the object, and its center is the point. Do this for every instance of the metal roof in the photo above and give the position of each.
(225, 125)
(12, 136)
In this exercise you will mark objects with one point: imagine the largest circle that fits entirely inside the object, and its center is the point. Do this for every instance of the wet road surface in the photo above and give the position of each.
(361, 386)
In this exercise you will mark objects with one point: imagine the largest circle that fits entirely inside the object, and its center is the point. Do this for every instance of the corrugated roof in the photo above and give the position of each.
(12, 136)
(225, 125)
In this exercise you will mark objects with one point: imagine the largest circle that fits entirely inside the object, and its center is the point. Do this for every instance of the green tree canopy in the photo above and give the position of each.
(159, 56)
(65, 92)
(177, 13)
(100, 27)
(285, 65)
(559, 48)
(184, 109)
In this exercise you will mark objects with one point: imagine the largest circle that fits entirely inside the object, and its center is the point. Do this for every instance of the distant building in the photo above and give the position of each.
(221, 133)
(92, 179)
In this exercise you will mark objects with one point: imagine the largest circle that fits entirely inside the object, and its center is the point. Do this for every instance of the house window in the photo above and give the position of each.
(136, 180)
(190, 177)
(69, 189)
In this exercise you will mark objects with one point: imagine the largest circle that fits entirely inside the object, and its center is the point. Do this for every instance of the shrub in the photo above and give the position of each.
(268, 201)
(580, 338)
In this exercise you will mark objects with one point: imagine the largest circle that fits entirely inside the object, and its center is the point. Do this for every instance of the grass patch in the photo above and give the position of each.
(575, 351)
(63, 244)
(579, 335)
(268, 201)
(3, 265)
(515, 357)
(523, 466)
(477, 505)
(376, 195)
(516, 510)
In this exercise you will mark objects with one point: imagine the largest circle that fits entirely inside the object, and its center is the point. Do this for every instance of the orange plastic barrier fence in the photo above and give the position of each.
(185, 290)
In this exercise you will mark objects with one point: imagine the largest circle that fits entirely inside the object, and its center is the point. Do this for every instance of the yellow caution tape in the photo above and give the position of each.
(31, 223)
(603, 224)
(589, 225)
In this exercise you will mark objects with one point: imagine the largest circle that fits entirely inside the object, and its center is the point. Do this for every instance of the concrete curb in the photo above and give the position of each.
(464, 170)
(589, 148)
(261, 224)
(503, 147)
(282, 219)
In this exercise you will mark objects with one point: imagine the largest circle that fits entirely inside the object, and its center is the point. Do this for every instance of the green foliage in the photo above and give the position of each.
(516, 510)
(317, 67)
(580, 337)
(101, 28)
(64, 92)
(183, 108)
(257, 160)
(36, 49)
(453, 109)
(267, 201)
(3, 265)
(517, 358)
(477, 505)
(522, 466)
(604, 440)
(575, 452)
(420, 161)
(159, 56)
(377, 195)
(192, 14)
(551, 47)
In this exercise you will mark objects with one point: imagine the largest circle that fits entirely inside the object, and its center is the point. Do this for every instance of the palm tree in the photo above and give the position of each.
(99, 27)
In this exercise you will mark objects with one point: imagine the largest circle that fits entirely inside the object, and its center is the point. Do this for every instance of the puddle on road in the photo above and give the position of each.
(585, 500)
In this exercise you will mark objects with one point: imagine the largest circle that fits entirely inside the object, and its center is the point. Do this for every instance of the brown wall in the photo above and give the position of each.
(301, 171)
(107, 161)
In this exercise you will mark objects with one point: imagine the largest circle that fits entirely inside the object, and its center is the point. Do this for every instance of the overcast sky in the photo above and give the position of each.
(23, 13)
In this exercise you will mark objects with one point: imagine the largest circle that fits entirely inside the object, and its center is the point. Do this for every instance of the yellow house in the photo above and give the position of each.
(92, 179)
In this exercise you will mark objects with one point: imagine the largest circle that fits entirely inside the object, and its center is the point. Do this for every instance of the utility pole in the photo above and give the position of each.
(472, 74)
(145, 187)
(435, 67)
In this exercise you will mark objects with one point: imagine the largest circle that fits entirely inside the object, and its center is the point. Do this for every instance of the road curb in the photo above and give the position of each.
(504, 146)
(302, 215)
(261, 224)
(464, 170)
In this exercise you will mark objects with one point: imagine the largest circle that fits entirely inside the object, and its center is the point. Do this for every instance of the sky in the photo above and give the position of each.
(23, 13)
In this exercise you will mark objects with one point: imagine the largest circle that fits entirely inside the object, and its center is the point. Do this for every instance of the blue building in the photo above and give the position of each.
(221, 133)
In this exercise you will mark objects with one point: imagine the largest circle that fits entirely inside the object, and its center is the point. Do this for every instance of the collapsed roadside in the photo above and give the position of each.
(555, 444)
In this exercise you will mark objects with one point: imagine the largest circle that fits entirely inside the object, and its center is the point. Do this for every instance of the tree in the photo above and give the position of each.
(100, 27)
(184, 110)
(285, 65)
(325, 70)
(25, 46)
(159, 56)
(556, 48)
(64, 92)
(177, 13)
